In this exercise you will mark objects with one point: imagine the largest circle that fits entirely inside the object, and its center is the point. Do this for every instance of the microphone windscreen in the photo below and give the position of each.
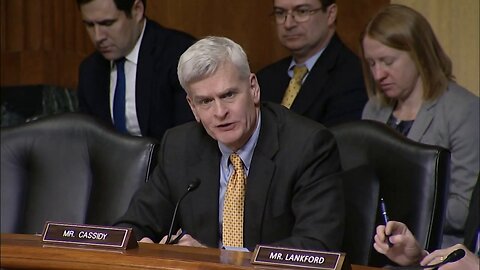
(194, 185)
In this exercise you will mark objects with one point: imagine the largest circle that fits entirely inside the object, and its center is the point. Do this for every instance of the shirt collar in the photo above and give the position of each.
(246, 152)
(132, 56)
(309, 63)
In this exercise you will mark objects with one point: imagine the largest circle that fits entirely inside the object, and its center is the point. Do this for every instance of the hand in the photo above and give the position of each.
(146, 240)
(405, 250)
(185, 240)
(469, 262)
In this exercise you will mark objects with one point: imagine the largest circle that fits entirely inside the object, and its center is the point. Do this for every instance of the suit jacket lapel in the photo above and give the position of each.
(101, 84)
(281, 83)
(259, 179)
(384, 114)
(315, 82)
(205, 167)
(144, 78)
(422, 121)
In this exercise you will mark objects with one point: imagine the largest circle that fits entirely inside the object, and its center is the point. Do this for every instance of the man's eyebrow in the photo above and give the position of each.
(306, 5)
(229, 91)
(200, 97)
(102, 22)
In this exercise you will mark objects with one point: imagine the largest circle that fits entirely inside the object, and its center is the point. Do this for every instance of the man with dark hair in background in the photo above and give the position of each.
(131, 80)
(330, 87)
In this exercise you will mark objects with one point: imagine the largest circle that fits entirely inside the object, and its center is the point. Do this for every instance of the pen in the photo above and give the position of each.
(383, 209)
(177, 239)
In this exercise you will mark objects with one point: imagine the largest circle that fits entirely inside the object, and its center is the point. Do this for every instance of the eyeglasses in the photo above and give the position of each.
(300, 15)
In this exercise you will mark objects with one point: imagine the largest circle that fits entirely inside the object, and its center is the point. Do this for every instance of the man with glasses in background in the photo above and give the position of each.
(322, 79)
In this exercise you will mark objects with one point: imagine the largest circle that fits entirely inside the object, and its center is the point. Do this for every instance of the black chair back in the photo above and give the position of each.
(413, 179)
(69, 168)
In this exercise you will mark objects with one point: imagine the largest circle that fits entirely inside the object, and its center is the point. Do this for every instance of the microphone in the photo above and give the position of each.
(194, 185)
(452, 257)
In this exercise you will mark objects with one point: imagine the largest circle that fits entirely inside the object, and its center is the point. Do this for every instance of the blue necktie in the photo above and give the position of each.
(119, 98)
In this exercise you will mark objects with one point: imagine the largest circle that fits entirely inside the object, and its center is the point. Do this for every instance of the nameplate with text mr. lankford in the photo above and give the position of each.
(303, 259)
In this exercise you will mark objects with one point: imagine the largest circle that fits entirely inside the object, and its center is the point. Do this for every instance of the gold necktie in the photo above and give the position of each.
(233, 205)
(294, 85)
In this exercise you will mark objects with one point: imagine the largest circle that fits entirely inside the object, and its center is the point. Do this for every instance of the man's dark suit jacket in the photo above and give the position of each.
(160, 100)
(333, 91)
(293, 198)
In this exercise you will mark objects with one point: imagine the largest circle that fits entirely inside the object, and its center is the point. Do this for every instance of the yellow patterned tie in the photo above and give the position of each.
(233, 205)
(294, 85)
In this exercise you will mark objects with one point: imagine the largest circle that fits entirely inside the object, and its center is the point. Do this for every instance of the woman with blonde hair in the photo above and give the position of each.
(411, 87)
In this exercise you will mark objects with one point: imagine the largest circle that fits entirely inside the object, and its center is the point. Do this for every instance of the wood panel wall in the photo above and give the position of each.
(456, 24)
(43, 41)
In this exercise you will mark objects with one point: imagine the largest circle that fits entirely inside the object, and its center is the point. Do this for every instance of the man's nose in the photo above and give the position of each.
(289, 20)
(98, 33)
(220, 109)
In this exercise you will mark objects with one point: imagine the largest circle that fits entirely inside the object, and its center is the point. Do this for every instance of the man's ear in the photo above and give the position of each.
(332, 14)
(138, 10)
(193, 108)
(255, 88)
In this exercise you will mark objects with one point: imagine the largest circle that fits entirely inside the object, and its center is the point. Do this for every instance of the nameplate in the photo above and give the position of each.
(303, 259)
(89, 235)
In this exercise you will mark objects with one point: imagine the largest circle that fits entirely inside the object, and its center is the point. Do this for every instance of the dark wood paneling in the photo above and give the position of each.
(14, 25)
(43, 41)
(352, 18)
(245, 21)
(248, 22)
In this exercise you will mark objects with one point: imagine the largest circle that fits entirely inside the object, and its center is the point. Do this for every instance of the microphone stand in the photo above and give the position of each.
(190, 188)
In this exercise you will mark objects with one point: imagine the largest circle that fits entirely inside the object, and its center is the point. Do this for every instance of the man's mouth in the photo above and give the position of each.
(226, 126)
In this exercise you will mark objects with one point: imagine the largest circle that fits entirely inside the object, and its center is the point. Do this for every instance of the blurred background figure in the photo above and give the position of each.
(131, 80)
(322, 78)
(411, 88)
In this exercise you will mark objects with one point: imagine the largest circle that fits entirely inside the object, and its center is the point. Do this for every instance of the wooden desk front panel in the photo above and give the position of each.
(27, 252)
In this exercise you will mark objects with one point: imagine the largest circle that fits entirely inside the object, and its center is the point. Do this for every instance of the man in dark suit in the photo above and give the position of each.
(332, 90)
(153, 99)
(292, 193)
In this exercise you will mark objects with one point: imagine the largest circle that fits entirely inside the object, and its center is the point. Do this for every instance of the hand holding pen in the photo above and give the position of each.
(178, 237)
(406, 251)
(383, 209)
(182, 238)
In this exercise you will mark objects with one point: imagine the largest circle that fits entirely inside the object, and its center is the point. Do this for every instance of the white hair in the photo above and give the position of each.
(205, 56)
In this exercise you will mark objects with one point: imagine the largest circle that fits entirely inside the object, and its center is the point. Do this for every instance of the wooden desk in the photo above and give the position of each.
(27, 252)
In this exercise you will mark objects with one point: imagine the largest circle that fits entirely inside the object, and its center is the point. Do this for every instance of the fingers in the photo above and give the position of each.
(178, 237)
(395, 227)
(439, 255)
(146, 240)
(188, 240)
(434, 257)
(379, 248)
(380, 243)
(380, 233)
(164, 240)
(432, 260)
